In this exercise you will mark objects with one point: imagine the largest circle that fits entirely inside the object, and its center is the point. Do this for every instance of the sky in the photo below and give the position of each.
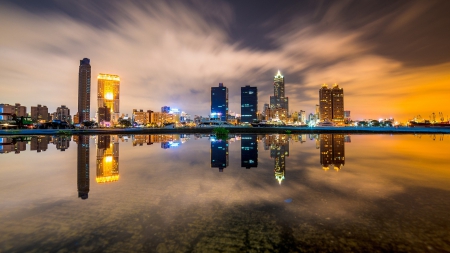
(392, 58)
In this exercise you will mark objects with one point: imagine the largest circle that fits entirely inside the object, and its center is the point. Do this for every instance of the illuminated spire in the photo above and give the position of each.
(278, 75)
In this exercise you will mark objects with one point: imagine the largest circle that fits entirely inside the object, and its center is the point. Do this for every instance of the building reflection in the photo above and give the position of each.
(107, 158)
(332, 151)
(219, 154)
(249, 151)
(82, 165)
(166, 140)
(279, 150)
(39, 143)
(62, 142)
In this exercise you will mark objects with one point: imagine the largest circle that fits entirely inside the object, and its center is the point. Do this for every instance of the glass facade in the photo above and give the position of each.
(249, 104)
(219, 102)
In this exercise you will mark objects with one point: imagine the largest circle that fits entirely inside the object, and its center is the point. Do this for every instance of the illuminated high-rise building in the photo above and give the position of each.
(249, 104)
(249, 151)
(82, 165)
(219, 154)
(108, 95)
(332, 151)
(325, 109)
(107, 158)
(219, 102)
(84, 90)
(331, 104)
(278, 100)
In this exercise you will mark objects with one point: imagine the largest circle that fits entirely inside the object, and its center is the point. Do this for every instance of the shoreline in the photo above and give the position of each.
(232, 130)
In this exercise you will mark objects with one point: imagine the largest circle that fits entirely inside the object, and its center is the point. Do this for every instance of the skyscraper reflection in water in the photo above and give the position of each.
(279, 149)
(82, 165)
(332, 151)
(249, 151)
(107, 158)
(219, 154)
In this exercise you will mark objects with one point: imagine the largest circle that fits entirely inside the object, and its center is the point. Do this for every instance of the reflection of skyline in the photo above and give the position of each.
(219, 154)
(82, 165)
(62, 142)
(107, 158)
(332, 151)
(279, 150)
(249, 151)
(39, 143)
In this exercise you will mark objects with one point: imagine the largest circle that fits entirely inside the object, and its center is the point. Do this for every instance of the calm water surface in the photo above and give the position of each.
(251, 193)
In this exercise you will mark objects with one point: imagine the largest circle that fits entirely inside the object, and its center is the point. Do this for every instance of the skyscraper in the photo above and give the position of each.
(108, 96)
(325, 110)
(84, 90)
(278, 100)
(219, 102)
(331, 104)
(249, 103)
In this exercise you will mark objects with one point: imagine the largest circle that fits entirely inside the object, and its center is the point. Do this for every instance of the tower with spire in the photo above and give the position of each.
(278, 100)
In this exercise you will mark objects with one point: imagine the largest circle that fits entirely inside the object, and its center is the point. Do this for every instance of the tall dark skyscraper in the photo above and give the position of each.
(331, 104)
(278, 100)
(84, 90)
(219, 154)
(249, 151)
(82, 165)
(249, 103)
(219, 102)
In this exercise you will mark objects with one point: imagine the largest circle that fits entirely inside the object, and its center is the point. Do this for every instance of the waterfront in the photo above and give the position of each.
(165, 193)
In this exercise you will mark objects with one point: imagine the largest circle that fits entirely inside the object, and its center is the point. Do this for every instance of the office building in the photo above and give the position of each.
(84, 90)
(20, 110)
(249, 151)
(249, 104)
(40, 113)
(331, 104)
(219, 103)
(108, 95)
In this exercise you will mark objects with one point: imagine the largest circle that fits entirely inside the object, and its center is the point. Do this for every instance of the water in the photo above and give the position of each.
(184, 193)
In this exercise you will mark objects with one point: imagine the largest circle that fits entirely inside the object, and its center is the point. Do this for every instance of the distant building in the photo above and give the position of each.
(276, 113)
(108, 95)
(39, 143)
(6, 111)
(302, 116)
(63, 114)
(265, 107)
(347, 114)
(249, 104)
(278, 100)
(279, 150)
(39, 113)
(104, 116)
(62, 142)
(331, 104)
(219, 102)
(141, 117)
(20, 111)
(165, 109)
(84, 90)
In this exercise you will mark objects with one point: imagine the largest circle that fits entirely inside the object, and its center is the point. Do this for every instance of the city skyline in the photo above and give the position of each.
(391, 58)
